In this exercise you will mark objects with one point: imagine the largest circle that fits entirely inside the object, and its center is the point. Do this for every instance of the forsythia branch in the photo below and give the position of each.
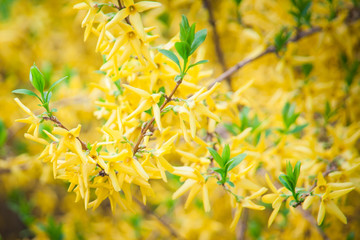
(150, 123)
(354, 16)
(219, 52)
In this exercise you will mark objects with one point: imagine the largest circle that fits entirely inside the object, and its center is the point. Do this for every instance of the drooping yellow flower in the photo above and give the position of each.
(247, 203)
(328, 192)
(274, 198)
(33, 120)
(194, 184)
(195, 106)
(133, 11)
(149, 100)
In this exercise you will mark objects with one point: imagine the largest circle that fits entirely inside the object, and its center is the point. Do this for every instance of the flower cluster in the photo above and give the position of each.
(161, 116)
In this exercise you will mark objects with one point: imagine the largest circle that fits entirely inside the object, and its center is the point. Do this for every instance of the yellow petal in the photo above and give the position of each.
(332, 208)
(138, 91)
(123, 13)
(271, 186)
(236, 218)
(81, 6)
(146, 5)
(308, 201)
(321, 179)
(321, 213)
(35, 139)
(139, 169)
(205, 195)
(192, 124)
(114, 180)
(184, 188)
(269, 198)
(273, 216)
(193, 192)
(120, 41)
(339, 193)
(157, 116)
(23, 107)
(258, 193)
(136, 22)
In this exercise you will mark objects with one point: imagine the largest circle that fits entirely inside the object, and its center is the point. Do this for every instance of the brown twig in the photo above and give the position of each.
(121, 6)
(216, 38)
(331, 168)
(103, 174)
(268, 50)
(59, 124)
(307, 215)
(147, 210)
(242, 225)
(151, 121)
(354, 15)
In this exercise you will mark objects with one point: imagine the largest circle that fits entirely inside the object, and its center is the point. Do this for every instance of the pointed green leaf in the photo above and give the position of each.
(216, 156)
(37, 79)
(198, 40)
(297, 128)
(183, 49)
(232, 163)
(170, 55)
(284, 181)
(26, 92)
(197, 63)
(49, 92)
(226, 153)
(297, 171)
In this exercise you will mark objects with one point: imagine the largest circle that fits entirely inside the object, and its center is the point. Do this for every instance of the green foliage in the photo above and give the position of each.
(238, 2)
(164, 18)
(52, 229)
(301, 12)
(5, 9)
(246, 122)
(281, 39)
(226, 164)
(38, 81)
(329, 113)
(289, 180)
(351, 72)
(189, 42)
(306, 69)
(289, 119)
(3, 134)
(18, 203)
(332, 9)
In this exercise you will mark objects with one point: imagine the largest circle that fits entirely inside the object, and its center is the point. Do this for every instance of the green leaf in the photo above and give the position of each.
(297, 128)
(230, 183)
(284, 181)
(232, 163)
(198, 40)
(183, 49)
(220, 171)
(3, 133)
(170, 55)
(56, 83)
(197, 63)
(226, 153)
(307, 68)
(289, 170)
(297, 171)
(216, 157)
(184, 28)
(191, 34)
(37, 79)
(26, 92)
(232, 128)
